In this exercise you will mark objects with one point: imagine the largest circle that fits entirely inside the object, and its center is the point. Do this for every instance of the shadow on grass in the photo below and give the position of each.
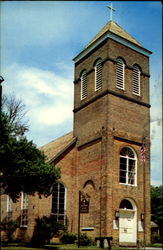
(22, 246)
(19, 246)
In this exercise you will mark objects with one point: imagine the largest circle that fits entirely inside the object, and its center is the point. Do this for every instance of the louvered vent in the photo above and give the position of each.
(120, 74)
(84, 85)
(98, 75)
(136, 81)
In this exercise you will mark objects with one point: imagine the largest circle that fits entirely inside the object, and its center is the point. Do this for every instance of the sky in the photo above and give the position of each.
(39, 39)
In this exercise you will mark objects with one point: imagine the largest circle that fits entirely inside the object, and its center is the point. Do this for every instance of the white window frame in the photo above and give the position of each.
(9, 208)
(9, 204)
(24, 209)
(57, 215)
(136, 80)
(127, 168)
(98, 74)
(84, 85)
(120, 73)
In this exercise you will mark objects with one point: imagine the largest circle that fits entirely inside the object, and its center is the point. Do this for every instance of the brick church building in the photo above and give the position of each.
(102, 156)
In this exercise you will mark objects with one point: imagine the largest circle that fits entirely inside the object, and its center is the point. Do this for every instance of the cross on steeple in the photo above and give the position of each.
(111, 10)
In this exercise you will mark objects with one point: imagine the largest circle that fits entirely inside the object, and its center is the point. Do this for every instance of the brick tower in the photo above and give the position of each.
(111, 123)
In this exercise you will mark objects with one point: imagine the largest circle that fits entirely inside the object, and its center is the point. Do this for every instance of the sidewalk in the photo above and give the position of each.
(150, 248)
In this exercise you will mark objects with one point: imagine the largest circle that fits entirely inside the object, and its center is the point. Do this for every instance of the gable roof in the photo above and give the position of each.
(114, 31)
(55, 148)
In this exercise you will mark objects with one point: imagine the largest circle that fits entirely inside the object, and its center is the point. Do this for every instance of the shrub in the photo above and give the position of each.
(85, 240)
(46, 228)
(68, 238)
(9, 227)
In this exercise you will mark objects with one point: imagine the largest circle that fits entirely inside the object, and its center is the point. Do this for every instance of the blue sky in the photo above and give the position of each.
(39, 39)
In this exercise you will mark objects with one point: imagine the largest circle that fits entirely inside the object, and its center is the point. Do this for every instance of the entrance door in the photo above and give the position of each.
(127, 227)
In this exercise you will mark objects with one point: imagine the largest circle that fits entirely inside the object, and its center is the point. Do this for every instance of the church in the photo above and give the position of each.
(106, 158)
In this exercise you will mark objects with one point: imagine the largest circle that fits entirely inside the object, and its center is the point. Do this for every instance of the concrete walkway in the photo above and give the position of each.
(151, 248)
(142, 248)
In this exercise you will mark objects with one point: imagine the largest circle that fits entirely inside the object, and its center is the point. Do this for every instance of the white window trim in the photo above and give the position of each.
(119, 60)
(65, 202)
(9, 204)
(22, 200)
(135, 158)
(24, 196)
(99, 62)
(83, 88)
(137, 83)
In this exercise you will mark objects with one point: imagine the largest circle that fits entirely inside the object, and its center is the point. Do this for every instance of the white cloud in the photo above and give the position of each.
(48, 96)
(54, 115)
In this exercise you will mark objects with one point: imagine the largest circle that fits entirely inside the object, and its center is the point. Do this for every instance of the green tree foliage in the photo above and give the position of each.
(157, 206)
(22, 164)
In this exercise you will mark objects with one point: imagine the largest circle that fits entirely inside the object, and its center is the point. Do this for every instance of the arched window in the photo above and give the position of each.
(136, 80)
(84, 84)
(58, 202)
(126, 204)
(98, 74)
(127, 166)
(89, 182)
(24, 209)
(120, 73)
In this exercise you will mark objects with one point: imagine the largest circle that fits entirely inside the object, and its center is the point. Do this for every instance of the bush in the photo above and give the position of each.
(68, 238)
(85, 240)
(155, 237)
(9, 227)
(46, 228)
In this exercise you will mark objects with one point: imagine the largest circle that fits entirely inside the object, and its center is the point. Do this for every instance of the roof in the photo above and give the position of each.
(55, 148)
(114, 31)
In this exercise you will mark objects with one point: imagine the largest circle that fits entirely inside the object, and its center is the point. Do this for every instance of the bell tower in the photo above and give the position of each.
(111, 121)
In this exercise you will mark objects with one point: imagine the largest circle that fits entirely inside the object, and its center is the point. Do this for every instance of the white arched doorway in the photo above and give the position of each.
(127, 222)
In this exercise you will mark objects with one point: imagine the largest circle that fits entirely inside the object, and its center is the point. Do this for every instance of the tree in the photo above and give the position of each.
(157, 206)
(23, 166)
(13, 121)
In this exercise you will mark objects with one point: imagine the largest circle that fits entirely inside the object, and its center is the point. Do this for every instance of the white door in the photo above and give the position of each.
(127, 227)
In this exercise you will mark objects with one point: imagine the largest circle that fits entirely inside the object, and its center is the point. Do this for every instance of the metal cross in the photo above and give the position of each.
(111, 10)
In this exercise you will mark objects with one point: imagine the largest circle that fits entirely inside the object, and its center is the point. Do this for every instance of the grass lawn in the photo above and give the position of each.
(49, 247)
(17, 246)
(157, 245)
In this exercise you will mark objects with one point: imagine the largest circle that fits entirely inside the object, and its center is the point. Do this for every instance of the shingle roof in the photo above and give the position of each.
(115, 32)
(57, 146)
(116, 29)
